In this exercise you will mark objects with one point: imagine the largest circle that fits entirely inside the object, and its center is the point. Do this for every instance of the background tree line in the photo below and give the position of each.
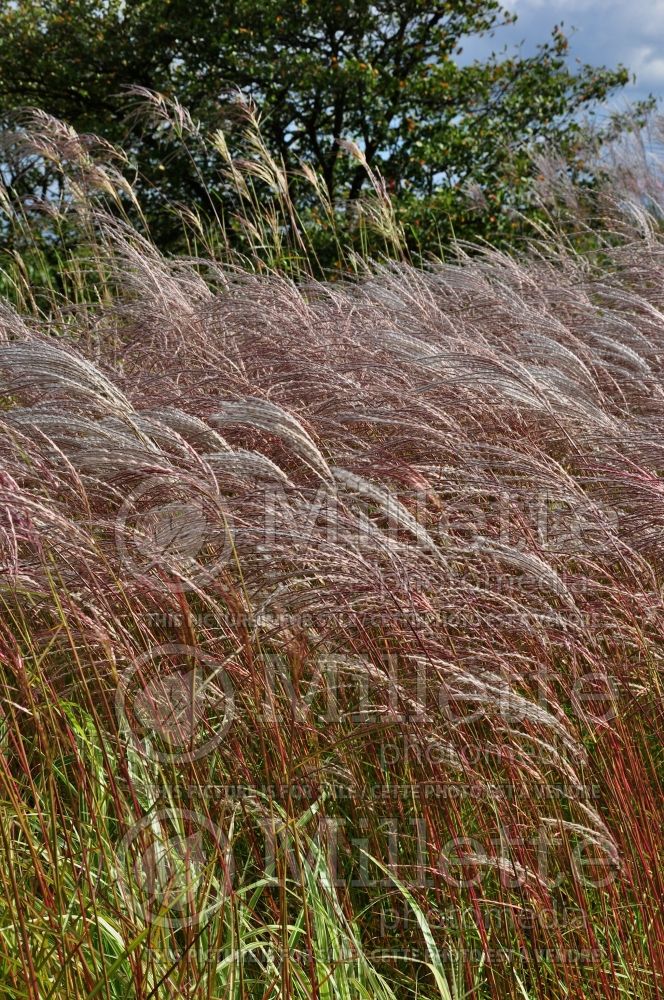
(453, 140)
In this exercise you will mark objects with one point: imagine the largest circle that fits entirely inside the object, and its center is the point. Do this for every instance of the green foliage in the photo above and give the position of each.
(386, 76)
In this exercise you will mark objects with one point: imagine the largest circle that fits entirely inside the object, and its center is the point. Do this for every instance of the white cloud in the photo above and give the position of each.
(607, 32)
(648, 65)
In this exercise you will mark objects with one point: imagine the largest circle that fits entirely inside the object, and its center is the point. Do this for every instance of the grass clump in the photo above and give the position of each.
(332, 627)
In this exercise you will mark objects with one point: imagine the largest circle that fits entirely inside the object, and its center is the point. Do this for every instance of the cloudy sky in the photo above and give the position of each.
(608, 32)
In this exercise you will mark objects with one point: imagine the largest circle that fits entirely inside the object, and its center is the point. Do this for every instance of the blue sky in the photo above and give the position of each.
(608, 32)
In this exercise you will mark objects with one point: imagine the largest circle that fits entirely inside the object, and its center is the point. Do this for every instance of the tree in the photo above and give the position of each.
(384, 74)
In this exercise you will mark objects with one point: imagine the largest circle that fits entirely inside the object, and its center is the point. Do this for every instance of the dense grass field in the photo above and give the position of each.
(331, 628)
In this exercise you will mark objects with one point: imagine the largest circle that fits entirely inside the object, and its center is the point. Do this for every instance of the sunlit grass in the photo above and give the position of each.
(331, 618)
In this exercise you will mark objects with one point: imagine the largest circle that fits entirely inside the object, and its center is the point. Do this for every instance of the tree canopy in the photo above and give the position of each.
(388, 75)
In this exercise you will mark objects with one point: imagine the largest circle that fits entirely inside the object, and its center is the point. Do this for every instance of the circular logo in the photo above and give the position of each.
(179, 536)
(174, 868)
(176, 703)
